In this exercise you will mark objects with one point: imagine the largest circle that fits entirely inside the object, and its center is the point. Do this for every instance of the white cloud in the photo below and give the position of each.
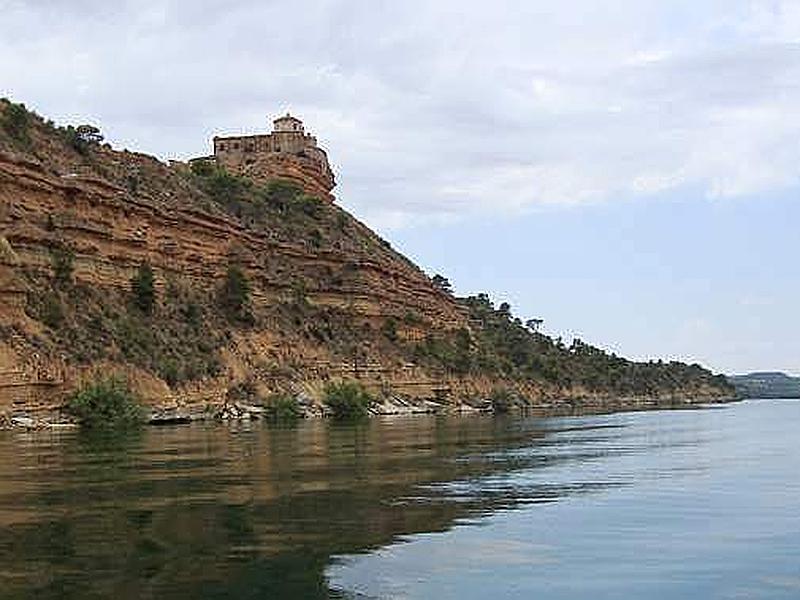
(435, 110)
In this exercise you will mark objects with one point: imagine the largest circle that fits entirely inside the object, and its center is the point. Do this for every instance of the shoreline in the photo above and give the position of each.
(57, 419)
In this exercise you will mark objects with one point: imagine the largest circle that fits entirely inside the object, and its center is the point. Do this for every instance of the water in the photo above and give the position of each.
(662, 505)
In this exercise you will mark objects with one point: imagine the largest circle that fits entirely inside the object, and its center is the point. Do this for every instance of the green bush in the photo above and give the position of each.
(282, 407)
(225, 187)
(170, 371)
(412, 318)
(502, 400)
(105, 403)
(62, 260)
(234, 296)
(201, 168)
(389, 329)
(52, 312)
(74, 140)
(16, 121)
(309, 205)
(144, 289)
(347, 400)
(452, 351)
(283, 190)
(192, 314)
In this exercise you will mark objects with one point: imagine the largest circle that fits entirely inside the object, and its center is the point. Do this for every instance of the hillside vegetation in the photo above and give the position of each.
(195, 275)
(766, 385)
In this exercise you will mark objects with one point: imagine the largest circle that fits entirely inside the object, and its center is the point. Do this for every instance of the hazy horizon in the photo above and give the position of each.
(628, 175)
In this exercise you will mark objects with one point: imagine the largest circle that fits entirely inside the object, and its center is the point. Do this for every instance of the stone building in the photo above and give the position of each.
(287, 153)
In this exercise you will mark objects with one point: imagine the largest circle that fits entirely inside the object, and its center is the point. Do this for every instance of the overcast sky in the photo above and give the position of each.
(626, 170)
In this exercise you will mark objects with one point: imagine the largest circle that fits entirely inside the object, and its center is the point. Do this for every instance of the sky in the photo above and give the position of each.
(627, 171)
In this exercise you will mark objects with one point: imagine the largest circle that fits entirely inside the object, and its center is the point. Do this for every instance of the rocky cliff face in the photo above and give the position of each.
(328, 298)
(307, 175)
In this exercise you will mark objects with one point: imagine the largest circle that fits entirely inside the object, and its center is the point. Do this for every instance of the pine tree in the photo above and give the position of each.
(144, 289)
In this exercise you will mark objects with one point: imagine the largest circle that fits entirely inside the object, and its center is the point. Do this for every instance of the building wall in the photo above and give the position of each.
(259, 155)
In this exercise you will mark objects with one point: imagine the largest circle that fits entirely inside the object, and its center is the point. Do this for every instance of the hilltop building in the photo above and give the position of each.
(287, 153)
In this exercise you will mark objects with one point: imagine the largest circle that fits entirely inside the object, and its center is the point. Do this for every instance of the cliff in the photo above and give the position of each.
(327, 298)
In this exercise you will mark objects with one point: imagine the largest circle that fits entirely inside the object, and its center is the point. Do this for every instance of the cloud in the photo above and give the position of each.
(439, 110)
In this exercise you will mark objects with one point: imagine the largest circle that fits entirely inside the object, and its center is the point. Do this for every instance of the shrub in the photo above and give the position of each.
(309, 205)
(225, 188)
(170, 372)
(105, 403)
(283, 190)
(282, 407)
(52, 313)
(347, 400)
(62, 260)
(144, 289)
(244, 391)
(451, 351)
(502, 400)
(389, 329)
(315, 238)
(201, 168)
(74, 140)
(299, 293)
(412, 318)
(16, 122)
(234, 296)
(192, 314)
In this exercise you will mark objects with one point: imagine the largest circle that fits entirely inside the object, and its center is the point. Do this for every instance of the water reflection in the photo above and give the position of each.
(258, 512)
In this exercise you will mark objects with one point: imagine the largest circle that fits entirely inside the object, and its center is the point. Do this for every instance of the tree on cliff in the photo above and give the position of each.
(89, 134)
(234, 296)
(442, 283)
(62, 259)
(534, 324)
(82, 137)
(144, 289)
(16, 121)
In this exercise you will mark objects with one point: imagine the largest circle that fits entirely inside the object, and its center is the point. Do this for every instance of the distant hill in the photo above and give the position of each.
(766, 385)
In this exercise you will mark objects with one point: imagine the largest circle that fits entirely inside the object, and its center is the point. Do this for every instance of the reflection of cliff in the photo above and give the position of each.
(212, 512)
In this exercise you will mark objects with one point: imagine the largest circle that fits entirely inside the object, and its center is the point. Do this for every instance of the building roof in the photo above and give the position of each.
(287, 117)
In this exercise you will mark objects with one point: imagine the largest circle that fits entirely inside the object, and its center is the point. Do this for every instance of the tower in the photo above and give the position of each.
(287, 124)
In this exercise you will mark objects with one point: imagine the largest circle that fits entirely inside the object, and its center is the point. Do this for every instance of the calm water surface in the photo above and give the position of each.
(657, 505)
